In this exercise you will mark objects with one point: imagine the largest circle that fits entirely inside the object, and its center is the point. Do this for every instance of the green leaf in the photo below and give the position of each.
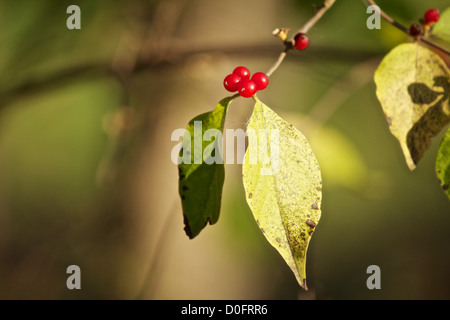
(442, 28)
(283, 186)
(443, 163)
(201, 171)
(413, 89)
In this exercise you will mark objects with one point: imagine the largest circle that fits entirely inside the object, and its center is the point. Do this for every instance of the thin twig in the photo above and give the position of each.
(404, 29)
(386, 17)
(289, 44)
(326, 5)
(434, 45)
(277, 63)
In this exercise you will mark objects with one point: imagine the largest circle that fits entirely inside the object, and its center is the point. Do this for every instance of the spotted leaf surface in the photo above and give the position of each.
(282, 182)
(201, 172)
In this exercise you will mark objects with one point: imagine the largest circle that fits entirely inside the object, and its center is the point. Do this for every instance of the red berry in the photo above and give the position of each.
(231, 82)
(432, 15)
(261, 80)
(247, 88)
(242, 72)
(415, 30)
(301, 41)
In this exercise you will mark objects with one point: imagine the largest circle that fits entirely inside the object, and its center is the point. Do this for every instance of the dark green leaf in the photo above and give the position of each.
(201, 171)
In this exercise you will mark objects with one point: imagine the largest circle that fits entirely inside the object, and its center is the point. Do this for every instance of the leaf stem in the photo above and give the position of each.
(289, 44)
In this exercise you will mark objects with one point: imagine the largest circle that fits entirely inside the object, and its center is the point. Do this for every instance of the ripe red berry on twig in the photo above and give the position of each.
(301, 41)
(247, 88)
(432, 15)
(242, 72)
(231, 82)
(415, 30)
(240, 81)
(261, 80)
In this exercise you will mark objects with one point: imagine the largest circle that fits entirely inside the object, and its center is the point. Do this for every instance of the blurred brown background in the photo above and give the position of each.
(86, 177)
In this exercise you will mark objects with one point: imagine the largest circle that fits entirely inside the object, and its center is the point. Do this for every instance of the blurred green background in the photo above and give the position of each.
(86, 176)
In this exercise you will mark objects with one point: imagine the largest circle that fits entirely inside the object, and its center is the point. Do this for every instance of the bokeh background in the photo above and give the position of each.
(86, 176)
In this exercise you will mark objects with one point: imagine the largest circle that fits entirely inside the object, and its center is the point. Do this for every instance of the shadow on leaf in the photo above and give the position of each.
(433, 120)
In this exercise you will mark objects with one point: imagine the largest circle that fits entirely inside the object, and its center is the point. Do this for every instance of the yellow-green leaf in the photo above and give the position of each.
(283, 186)
(442, 28)
(413, 88)
(443, 163)
(440, 35)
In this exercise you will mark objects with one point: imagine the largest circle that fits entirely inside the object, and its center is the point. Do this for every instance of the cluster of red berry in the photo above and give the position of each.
(431, 17)
(241, 82)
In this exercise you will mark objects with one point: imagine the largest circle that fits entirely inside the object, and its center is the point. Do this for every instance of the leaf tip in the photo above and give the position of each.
(303, 284)
(187, 228)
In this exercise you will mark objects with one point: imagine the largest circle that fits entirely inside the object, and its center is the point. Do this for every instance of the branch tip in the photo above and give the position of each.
(289, 44)
(281, 33)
